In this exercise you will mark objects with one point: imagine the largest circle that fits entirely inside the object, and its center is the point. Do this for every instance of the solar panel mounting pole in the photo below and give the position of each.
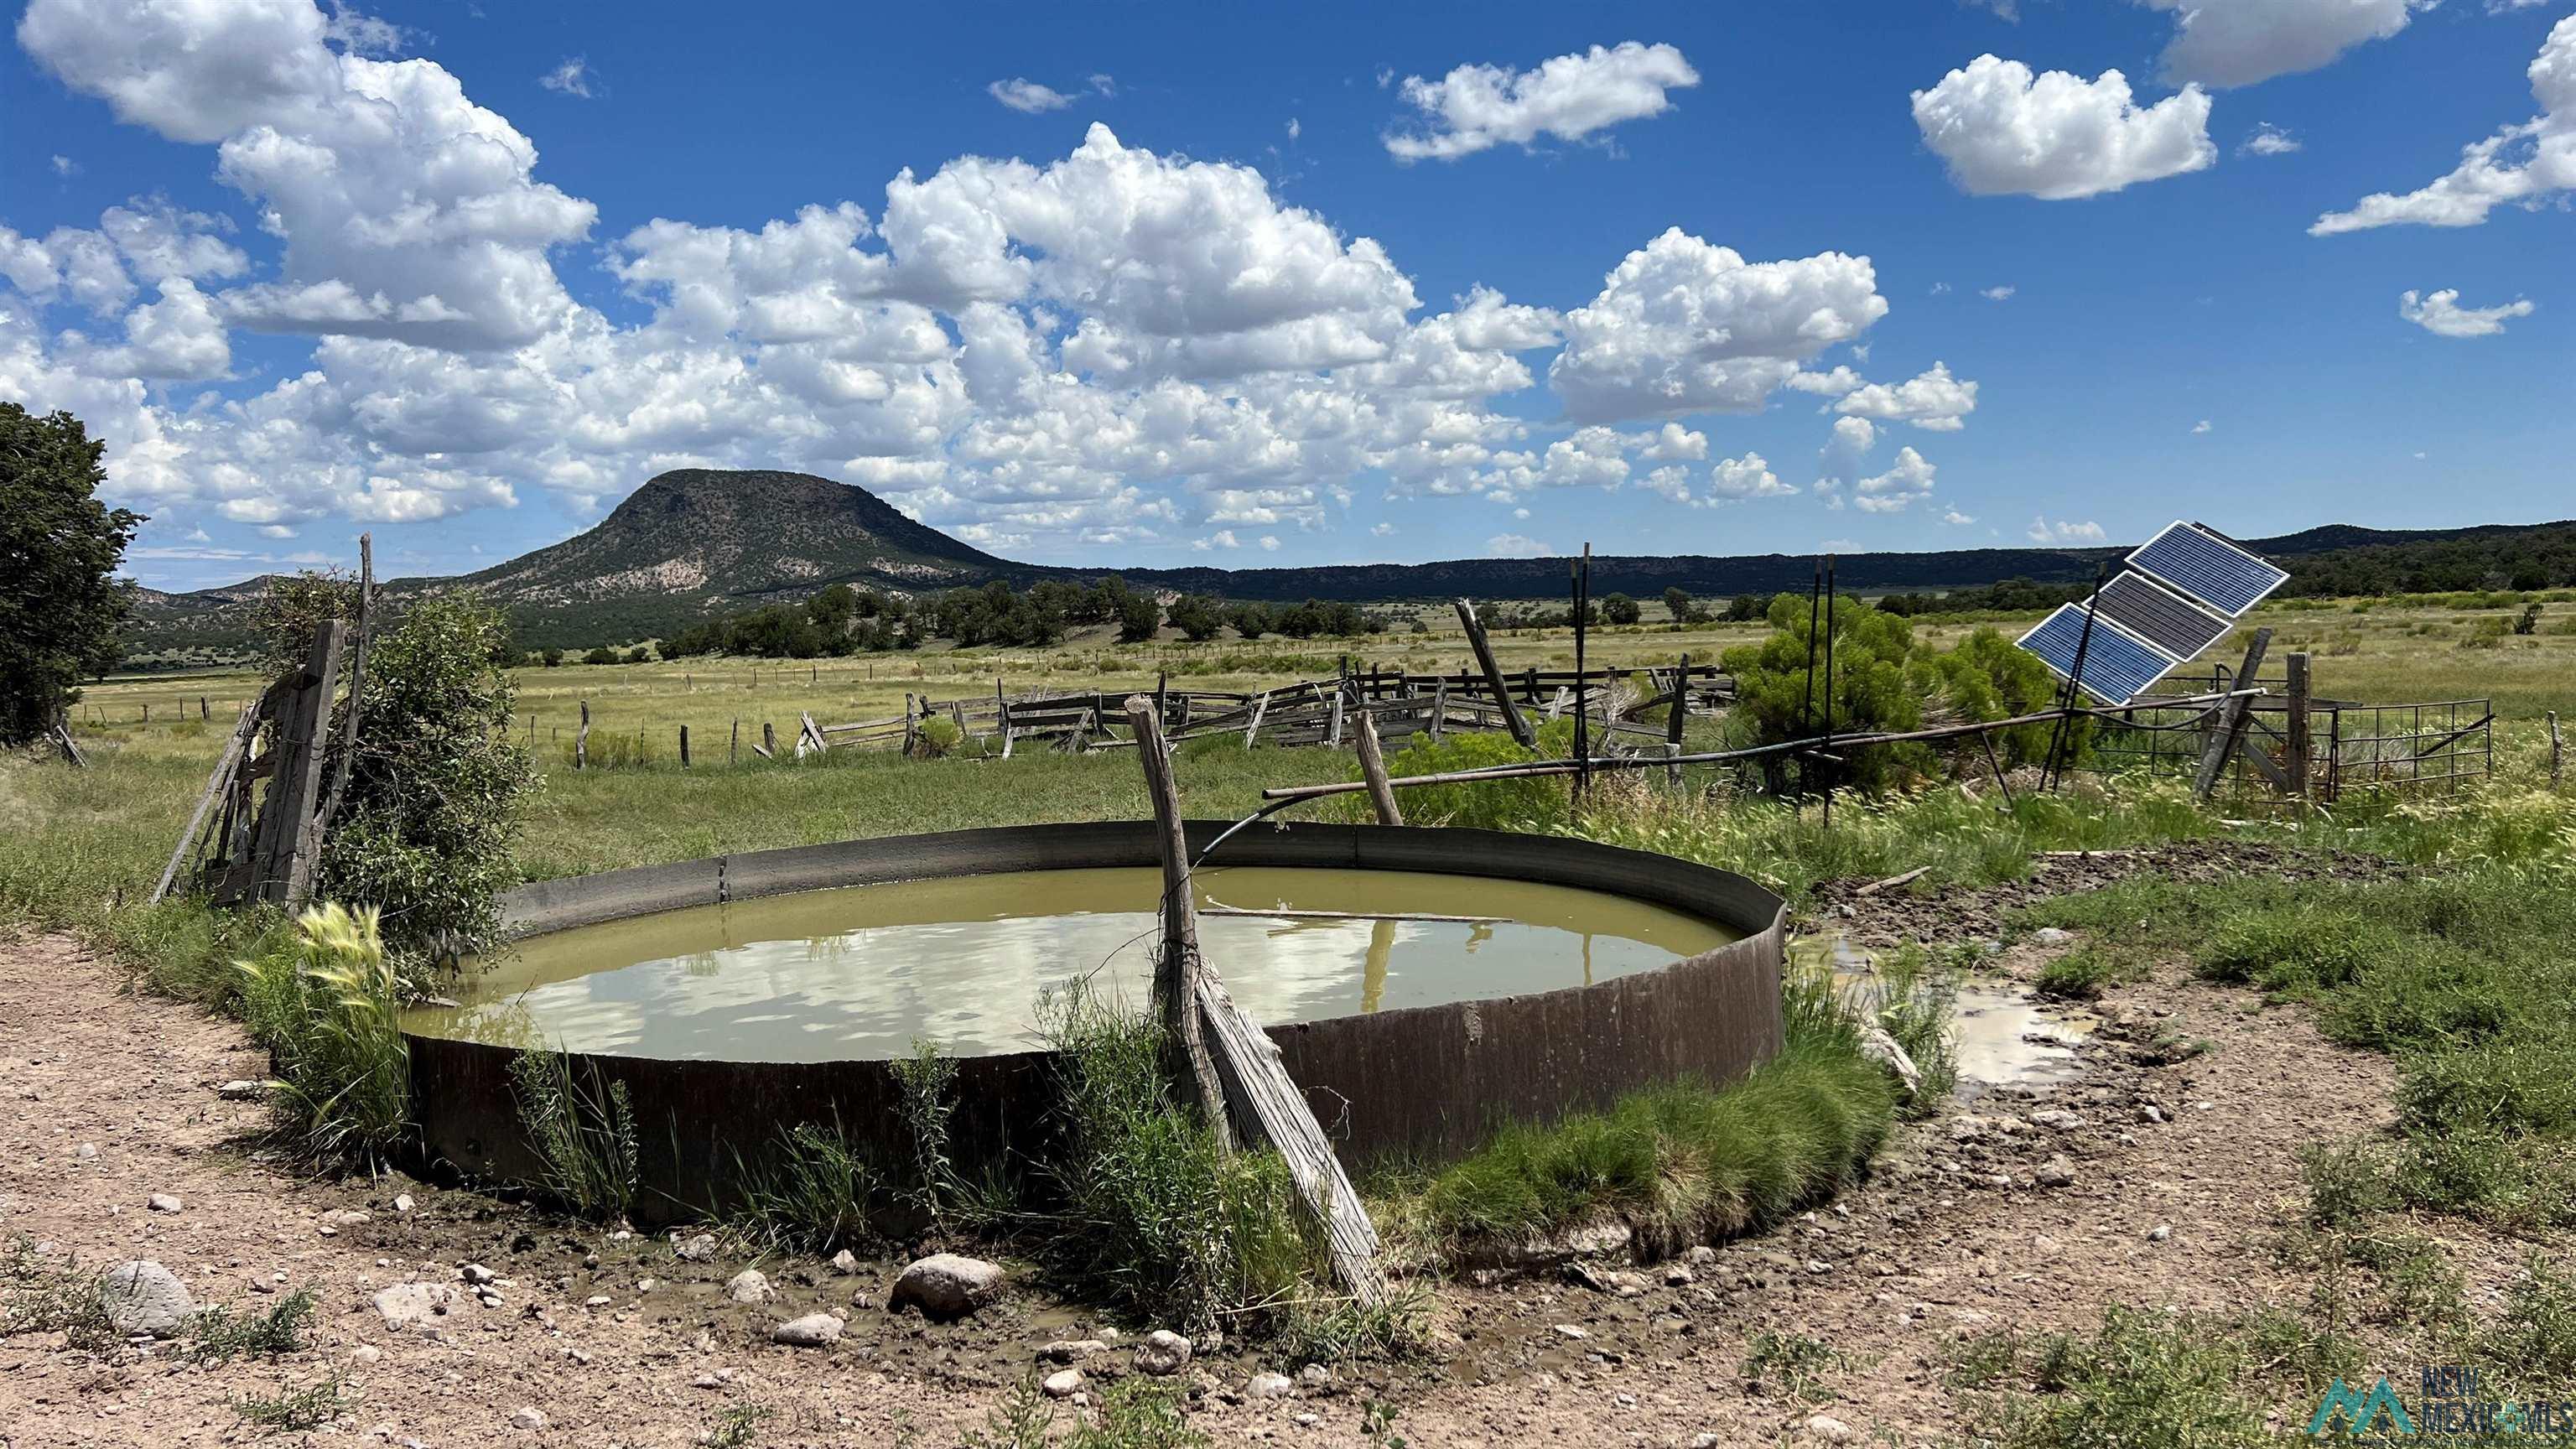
(1829, 688)
(2065, 726)
(1807, 706)
(1582, 582)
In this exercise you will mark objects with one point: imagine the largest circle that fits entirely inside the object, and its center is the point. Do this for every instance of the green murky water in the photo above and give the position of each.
(864, 972)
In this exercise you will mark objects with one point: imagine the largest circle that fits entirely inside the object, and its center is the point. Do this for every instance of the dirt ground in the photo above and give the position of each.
(111, 1099)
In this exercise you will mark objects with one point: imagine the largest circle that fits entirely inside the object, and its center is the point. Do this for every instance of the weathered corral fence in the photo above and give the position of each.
(2302, 745)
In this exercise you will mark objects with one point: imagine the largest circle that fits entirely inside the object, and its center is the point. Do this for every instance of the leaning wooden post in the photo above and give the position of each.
(768, 740)
(684, 747)
(216, 784)
(1333, 733)
(2228, 728)
(2294, 752)
(1261, 707)
(1520, 728)
(2553, 749)
(733, 746)
(297, 791)
(1373, 770)
(358, 680)
(1177, 965)
(581, 741)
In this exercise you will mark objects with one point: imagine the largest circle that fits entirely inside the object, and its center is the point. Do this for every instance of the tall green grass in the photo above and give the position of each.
(1149, 1212)
(324, 1003)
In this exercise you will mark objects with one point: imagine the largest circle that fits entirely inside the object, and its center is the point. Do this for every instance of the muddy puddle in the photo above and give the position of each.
(866, 971)
(2001, 1035)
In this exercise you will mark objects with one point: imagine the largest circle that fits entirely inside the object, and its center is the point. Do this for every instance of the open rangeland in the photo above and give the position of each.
(2308, 1120)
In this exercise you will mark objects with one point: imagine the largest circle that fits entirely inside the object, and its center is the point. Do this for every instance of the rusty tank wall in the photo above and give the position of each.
(1424, 1083)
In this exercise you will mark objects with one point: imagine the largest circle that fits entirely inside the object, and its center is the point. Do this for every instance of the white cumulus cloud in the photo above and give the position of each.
(2441, 314)
(1934, 401)
(1514, 545)
(2269, 140)
(1682, 326)
(2521, 165)
(2064, 532)
(2056, 136)
(1909, 481)
(1571, 97)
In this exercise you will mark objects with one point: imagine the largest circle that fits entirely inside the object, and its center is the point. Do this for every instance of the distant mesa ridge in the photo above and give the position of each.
(696, 541)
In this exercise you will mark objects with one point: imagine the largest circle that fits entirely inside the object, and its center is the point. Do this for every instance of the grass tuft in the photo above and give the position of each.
(582, 1127)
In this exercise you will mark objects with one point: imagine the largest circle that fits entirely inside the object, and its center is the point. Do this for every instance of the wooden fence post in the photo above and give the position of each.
(1522, 735)
(1177, 964)
(2553, 749)
(768, 740)
(1373, 770)
(1439, 709)
(1678, 717)
(733, 746)
(684, 747)
(296, 791)
(2295, 748)
(581, 741)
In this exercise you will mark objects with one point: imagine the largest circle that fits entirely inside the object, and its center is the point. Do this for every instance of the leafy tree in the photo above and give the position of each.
(551, 658)
(640, 654)
(1869, 690)
(437, 790)
(1745, 608)
(1138, 617)
(1251, 620)
(1677, 602)
(1197, 617)
(1986, 676)
(600, 654)
(1620, 609)
(60, 604)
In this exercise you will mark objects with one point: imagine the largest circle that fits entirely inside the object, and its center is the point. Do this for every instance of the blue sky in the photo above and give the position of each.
(1333, 285)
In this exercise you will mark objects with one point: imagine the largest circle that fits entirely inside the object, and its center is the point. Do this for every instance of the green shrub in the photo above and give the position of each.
(436, 790)
(325, 1002)
(218, 1335)
(1537, 803)
(2083, 974)
(935, 737)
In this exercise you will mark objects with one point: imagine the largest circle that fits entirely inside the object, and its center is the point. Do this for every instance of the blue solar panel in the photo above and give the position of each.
(2208, 568)
(2117, 668)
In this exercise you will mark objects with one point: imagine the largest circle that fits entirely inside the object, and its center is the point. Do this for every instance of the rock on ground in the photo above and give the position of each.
(749, 1286)
(1269, 1386)
(1063, 1383)
(414, 1305)
(144, 1297)
(814, 1330)
(1162, 1354)
(947, 1285)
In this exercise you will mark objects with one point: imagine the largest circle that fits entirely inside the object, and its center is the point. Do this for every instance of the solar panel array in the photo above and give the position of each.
(2208, 568)
(2156, 615)
(2190, 585)
(2117, 668)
